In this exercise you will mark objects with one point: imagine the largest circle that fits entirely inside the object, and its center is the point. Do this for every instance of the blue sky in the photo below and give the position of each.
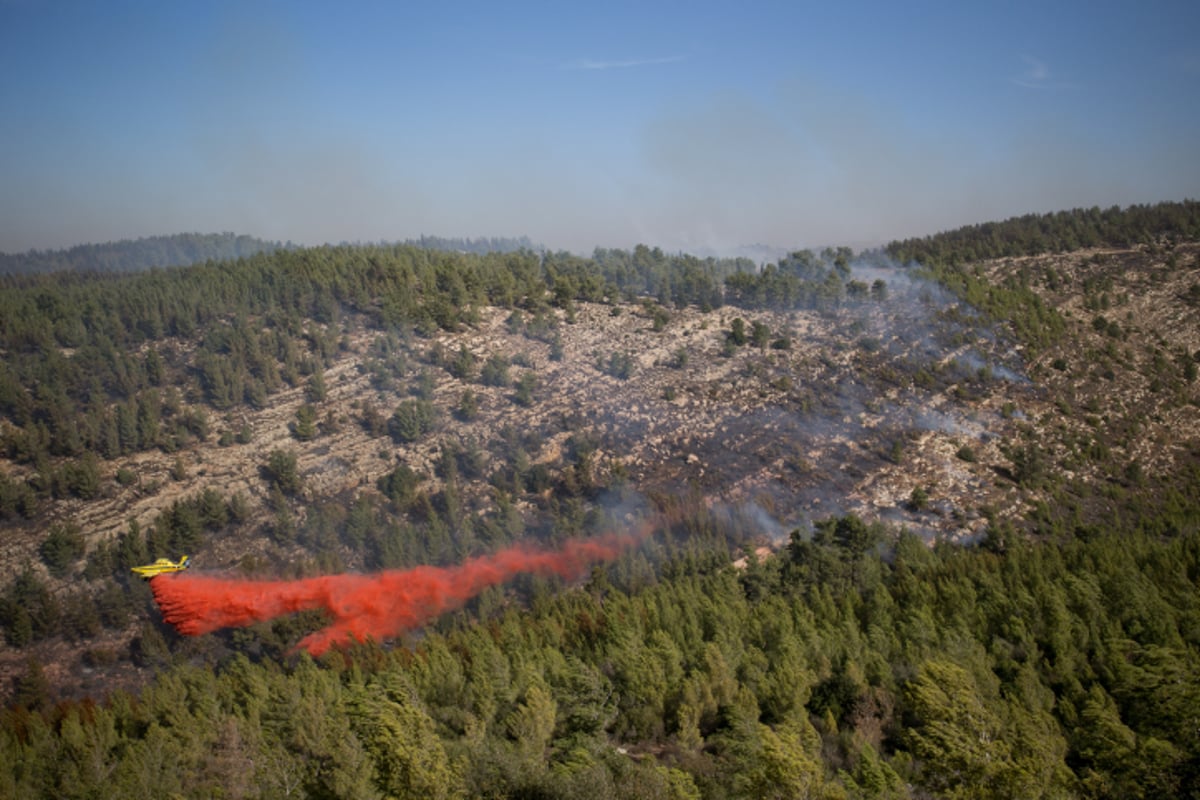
(693, 126)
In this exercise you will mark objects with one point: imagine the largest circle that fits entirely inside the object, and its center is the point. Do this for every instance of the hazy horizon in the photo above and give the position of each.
(686, 126)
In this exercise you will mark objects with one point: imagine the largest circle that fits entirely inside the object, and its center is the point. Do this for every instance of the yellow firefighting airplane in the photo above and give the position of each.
(162, 566)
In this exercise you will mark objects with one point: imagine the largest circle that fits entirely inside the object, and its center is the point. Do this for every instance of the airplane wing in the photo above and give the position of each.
(162, 566)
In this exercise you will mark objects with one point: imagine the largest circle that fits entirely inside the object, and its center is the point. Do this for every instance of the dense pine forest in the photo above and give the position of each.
(839, 668)
(1057, 654)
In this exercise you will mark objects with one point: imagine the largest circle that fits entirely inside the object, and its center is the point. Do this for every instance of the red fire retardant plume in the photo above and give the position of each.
(380, 606)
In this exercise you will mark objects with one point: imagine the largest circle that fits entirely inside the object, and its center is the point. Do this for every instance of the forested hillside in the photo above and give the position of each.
(915, 522)
(834, 669)
(1057, 232)
(185, 249)
(95, 347)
